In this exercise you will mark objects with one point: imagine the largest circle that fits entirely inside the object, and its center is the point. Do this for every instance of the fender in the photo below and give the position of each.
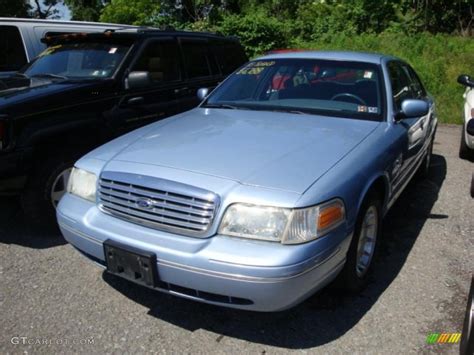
(380, 176)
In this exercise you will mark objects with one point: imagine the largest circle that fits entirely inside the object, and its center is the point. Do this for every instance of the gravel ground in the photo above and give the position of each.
(53, 300)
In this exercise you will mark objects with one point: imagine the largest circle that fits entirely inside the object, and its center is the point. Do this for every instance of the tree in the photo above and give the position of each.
(86, 10)
(438, 16)
(17, 8)
(132, 12)
(44, 9)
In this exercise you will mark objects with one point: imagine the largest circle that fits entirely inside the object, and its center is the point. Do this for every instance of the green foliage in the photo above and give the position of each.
(438, 59)
(257, 32)
(323, 18)
(133, 12)
(16, 8)
(85, 10)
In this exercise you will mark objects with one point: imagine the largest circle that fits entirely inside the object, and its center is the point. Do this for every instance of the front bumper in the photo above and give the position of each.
(232, 272)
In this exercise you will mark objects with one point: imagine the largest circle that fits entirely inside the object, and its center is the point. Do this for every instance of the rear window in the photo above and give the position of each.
(12, 51)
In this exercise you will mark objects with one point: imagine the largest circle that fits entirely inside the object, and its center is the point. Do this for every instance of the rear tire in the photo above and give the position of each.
(362, 250)
(46, 185)
(472, 186)
(424, 169)
(464, 151)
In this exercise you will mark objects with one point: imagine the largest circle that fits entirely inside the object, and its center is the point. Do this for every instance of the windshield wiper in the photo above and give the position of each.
(289, 111)
(49, 75)
(21, 74)
(227, 106)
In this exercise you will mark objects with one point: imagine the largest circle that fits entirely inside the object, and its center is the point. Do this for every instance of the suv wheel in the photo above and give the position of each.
(59, 186)
(360, 256)
(45, 187)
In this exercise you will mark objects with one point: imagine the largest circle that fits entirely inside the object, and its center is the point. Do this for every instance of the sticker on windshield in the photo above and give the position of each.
(373, 109)
(255, 68)
(49, 50)
(361, 108)
(368, 74)
(113, 50)
(251, 71)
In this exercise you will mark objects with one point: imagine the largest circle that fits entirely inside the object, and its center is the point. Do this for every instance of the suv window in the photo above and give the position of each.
(12, 53)
(230, 56)
(161, 60)
(401, 84)
(198, 59)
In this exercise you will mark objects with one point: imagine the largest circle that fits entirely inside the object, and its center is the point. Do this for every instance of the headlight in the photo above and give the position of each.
(83, 184)
(249, 221)
(280, 224)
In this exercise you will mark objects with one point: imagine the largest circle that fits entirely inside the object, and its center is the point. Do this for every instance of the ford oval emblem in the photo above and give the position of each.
(144, 202)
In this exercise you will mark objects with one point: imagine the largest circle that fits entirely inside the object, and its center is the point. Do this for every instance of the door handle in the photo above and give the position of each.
(177, 91)
(135, 101)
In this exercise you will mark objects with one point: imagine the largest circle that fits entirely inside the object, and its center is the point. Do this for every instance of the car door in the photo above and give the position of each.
(140, 106)
(413, 130)
(200, 68)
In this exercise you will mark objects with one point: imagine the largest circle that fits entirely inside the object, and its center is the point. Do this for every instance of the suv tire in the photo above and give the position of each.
(36, 199)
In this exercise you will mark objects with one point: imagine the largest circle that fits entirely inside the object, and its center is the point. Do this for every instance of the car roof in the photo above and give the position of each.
(133, 33)
(62, 22)
(365, 57)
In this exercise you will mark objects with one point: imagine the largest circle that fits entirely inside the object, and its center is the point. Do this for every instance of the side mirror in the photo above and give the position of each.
(465, 80)
(470, 127)
(413, 108)
(202, 93)
(138, 80)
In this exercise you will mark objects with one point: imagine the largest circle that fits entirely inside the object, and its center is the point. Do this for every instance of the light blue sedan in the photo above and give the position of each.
(274, 186)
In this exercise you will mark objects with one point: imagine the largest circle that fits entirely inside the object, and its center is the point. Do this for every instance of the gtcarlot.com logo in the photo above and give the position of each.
(22, 340)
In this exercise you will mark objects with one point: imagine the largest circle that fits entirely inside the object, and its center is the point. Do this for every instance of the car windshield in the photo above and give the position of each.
(334, 88)
(78, 60)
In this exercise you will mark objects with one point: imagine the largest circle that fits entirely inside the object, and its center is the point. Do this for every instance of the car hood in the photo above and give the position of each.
(270, 149)
(15, 91)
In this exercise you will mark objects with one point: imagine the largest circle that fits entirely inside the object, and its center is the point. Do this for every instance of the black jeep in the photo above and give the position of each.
(86, 89)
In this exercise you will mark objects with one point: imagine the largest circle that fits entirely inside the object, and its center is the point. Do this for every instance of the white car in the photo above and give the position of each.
(466, 150)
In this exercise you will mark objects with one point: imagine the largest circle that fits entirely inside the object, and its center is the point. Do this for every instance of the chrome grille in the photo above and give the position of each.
(157, 203)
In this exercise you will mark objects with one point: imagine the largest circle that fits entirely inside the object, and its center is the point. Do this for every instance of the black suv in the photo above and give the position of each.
(86, 89)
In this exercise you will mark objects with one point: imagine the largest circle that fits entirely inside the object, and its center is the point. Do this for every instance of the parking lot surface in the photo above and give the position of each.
(54, 300)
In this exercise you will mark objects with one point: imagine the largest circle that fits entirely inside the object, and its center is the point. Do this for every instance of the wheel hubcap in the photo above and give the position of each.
(59, 186)
(367, 240)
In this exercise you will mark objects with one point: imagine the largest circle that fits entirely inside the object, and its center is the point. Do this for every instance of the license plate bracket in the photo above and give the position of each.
(131, 263)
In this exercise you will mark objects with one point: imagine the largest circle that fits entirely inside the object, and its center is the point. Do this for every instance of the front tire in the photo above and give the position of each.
(362, 250)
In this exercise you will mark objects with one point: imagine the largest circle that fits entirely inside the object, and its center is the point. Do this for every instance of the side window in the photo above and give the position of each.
(230, 56)
(161, 60)
(416, 85)
(198, 59)
(12, 52)
(401, 84)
